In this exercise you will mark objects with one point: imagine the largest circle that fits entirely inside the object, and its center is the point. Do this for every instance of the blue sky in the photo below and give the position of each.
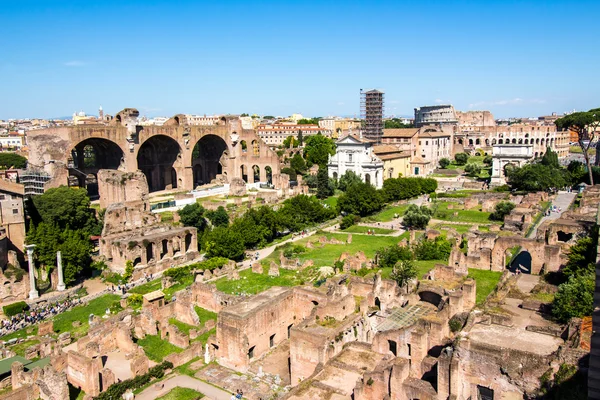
(515, 58)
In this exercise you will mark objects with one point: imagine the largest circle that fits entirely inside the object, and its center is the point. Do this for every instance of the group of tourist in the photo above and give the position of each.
(238, 395)
(35, 314)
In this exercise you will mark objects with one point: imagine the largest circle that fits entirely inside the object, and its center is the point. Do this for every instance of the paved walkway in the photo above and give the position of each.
(184, 381)
(563, 200)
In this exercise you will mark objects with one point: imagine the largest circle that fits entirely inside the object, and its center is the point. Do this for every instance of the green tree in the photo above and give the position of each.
(461, 158)
(488, 160)
(12, 160)
(362, 199)
(347, 180)
(218, 217)
(536, 177)
(473, 169)
(550, 159)
(224, 242)
(574, 298)
(387, 257)
(297, 164)
(300, 138)
(348, 221)
(76, 249)
(324, 185)
(318, 148)
(193, 215)
(291, 172)
(290, 142)
(65, 207)
(395, 123)
(581, 258)
(403, 272)
(585, 124)
(577, 172)
(502, 209)
(416, 217)
(436, 249)
(309, 121)
(444, 162)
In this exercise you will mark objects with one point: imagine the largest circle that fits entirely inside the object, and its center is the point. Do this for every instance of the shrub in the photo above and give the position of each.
(15, 308)
(211, 264)
(488, 160)
(444, 162)
(503, 208)
(437, 249)
(574, 298)
(461, 158)
(135, 300)
(455, 324)
(178, 274)
(349, 220)
(117, 390)
(387, 257)
(417, 217)
(128, 270)
(473, 169)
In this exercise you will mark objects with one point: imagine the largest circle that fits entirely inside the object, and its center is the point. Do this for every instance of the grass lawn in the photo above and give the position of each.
(577, 150)
(21, 333)
(21, 347)
(486, 282)
(183, 327)
(156, 349)
(364, 229)
(387, 214)
(205, 315)
(252, 283)
(443, 213)
(180, 393)
(64, 322)
(147, 287)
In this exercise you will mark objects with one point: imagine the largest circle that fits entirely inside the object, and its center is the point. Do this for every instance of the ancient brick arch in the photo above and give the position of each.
(50, 149)
(159, 158)
(542, 255)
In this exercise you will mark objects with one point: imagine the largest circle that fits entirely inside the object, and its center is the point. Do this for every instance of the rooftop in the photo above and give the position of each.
(245, 308)
(157, 294)
(400, 132)
(403, 317)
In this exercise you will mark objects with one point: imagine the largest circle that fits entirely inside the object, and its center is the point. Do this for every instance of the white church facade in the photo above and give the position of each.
(356, 154)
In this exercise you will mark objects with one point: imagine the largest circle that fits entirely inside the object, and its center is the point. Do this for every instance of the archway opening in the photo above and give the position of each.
(208, 159)
(87, 158)
(563, 236)
(521, 263)
(256, 173)
(156, 159)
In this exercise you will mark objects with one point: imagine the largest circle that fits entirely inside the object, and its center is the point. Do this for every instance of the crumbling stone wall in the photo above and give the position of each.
(118, 187)
(84, 372)
(50, 149)
(208, 297)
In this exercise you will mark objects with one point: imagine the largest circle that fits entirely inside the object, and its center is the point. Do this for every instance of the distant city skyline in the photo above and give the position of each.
(515, 59)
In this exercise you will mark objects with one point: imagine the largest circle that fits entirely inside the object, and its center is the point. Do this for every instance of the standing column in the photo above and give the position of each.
(33, 293)
(61, 282)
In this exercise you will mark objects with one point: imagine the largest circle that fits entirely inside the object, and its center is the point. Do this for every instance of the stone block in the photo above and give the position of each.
(273, 269)
(46, 328)
(349, 240)
(257, 267)
(64, 338)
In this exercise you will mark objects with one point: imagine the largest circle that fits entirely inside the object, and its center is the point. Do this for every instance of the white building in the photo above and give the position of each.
(355, 154)
(11, 142)
(515, 155)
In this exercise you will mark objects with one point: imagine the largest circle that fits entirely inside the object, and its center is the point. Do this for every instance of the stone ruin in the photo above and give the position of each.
(133, 233)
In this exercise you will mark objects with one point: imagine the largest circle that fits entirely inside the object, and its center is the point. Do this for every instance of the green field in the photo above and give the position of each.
(180, 393)
(476, 216)
(364, 229)
(252, 283)
(156, 349)
(486, 282)
(64, 322)
(147, 287)
(387, 214)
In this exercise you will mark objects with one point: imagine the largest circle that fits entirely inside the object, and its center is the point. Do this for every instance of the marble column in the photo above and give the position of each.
(33, 293)
(61, 282)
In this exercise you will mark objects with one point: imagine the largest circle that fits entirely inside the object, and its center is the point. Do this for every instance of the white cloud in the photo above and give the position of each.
(516, 100)
(75, 63)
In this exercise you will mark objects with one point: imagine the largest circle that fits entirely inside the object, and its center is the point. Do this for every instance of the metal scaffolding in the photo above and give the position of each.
(371, 112)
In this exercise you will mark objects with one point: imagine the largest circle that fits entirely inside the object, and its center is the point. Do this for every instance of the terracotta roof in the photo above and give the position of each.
(12, 187)
(393, 156)
(400, 132)
(434, 134)
(385, 148)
